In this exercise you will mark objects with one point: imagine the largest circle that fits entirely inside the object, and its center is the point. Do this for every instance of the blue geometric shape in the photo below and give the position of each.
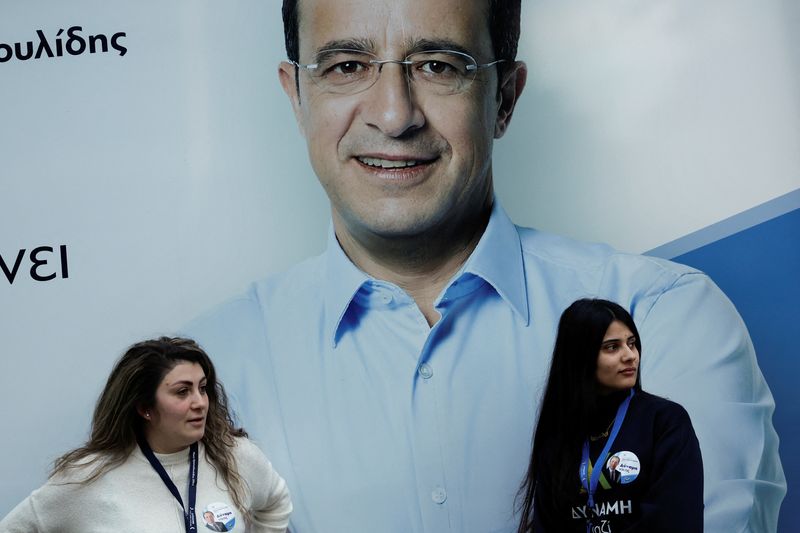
(730, 226)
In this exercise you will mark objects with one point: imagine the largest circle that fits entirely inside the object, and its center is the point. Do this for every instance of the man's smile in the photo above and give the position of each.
(387, 163)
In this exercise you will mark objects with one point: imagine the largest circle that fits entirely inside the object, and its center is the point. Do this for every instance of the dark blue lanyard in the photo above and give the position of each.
(189, 517)
(591, 484)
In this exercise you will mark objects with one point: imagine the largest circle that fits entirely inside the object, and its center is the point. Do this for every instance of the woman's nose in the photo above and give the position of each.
(630, 353)
(199, 400)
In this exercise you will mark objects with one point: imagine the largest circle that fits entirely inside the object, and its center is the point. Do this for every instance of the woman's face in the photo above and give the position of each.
(618, 359)
(178, 418)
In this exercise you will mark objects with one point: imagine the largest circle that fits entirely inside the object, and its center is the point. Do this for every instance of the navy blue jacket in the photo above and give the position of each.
(658, 486)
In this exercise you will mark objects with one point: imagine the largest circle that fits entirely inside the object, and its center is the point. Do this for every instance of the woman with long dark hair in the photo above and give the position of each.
(608, 457)
(163, 450)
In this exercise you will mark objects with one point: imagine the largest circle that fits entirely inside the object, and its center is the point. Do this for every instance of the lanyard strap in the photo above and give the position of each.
(590, 484)
(189, 518)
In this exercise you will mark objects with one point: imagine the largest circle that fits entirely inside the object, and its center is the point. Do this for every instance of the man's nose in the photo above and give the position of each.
(391, 105)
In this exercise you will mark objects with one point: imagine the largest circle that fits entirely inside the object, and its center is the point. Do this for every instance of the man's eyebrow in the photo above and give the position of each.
(368, 45)
(361, 45)
(424, 45)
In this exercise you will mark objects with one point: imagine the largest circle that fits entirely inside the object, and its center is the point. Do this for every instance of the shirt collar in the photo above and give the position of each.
(497, 259)
(343, 279)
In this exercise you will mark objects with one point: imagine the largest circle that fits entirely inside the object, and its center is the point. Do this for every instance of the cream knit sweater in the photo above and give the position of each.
(132, 498)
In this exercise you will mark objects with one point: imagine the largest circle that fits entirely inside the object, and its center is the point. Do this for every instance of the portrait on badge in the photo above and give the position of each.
(212, 523)
(611, 466)
(163, 445)
(605, 452)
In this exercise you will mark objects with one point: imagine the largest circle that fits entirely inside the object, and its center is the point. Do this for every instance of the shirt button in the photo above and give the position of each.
(386, 298)
(425, 371)
(439, 495)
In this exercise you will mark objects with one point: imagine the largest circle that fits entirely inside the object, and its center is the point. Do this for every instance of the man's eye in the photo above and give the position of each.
(437, 68)
(347, 68)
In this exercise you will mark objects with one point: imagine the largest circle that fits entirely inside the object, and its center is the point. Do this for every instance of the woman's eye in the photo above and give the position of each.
(203, 389)
(182, 392)
(610, 347)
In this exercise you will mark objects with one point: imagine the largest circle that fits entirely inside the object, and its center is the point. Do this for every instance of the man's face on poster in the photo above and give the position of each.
(396, 159)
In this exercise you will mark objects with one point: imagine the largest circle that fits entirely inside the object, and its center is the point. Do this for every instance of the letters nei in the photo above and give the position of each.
(44, 265)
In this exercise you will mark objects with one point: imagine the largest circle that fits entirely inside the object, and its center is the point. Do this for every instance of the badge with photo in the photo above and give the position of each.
(219, 517)
(622, 467)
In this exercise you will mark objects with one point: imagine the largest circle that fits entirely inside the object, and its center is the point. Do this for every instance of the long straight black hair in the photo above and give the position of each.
(569, 402)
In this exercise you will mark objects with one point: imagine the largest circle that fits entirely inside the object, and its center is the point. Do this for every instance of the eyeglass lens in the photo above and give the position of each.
(352, 71)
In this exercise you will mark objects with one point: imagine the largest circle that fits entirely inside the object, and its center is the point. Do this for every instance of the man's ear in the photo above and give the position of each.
(287, 74)
(511, 86)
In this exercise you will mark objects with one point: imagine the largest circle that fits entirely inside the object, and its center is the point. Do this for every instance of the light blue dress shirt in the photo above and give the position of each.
(380, 423)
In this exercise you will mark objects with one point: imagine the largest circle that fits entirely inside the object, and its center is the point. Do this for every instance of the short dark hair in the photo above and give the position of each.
(504, 17)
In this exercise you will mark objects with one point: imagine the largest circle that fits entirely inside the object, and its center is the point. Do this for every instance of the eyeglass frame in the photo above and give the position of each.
(473, 67)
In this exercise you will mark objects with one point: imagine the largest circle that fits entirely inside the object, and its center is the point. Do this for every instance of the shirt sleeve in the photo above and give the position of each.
(697, 352)
(22, 519)
(271, 504)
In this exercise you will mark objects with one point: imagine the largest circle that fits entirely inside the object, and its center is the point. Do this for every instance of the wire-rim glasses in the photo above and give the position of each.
(345, 71)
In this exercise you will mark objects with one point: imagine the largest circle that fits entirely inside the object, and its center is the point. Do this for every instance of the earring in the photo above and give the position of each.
(147, 414)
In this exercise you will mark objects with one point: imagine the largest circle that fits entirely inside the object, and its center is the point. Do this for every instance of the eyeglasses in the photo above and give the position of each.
(441, 72)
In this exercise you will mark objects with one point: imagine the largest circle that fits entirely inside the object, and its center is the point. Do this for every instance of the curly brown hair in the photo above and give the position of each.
(130, 388)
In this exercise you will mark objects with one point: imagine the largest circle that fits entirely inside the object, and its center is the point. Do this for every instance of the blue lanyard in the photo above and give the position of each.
(591, 484)
(189, 518)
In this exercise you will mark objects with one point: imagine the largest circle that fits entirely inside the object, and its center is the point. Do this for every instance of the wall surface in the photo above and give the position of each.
(167, 177)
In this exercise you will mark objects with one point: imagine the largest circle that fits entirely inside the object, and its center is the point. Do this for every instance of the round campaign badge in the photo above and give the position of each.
(219, 517)
(623, 467)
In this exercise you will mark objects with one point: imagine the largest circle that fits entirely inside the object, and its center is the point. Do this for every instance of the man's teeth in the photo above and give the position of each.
(387, 163)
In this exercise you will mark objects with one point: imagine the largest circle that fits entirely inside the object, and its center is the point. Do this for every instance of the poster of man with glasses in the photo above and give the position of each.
(365, 214)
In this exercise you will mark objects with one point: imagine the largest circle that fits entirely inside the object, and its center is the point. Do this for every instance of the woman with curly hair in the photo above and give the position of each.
(163, 450)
